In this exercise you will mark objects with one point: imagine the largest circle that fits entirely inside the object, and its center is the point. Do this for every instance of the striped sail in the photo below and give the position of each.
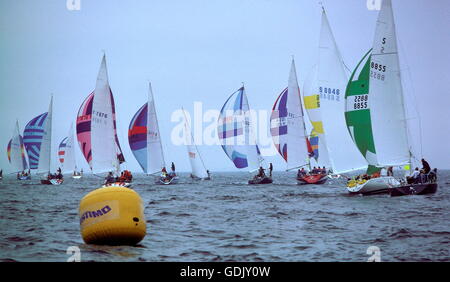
(16, 151)
(278, 124)
(144, 138)
(197, 165)
(343, 156)
(137, 136)
(32, 139)
(287, 125)
(66, 153)
(46, 143)
(62, 151)
(386, 94)
(96, 127)
(235, 132)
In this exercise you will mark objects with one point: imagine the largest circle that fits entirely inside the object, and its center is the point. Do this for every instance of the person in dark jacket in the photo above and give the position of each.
(270, 169)
(432, 176)
(426, 167)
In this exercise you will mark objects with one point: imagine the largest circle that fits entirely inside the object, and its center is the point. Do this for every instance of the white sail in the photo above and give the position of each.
(386, 95)
(155, 154)
(311, 100)
(17, 160)
(104, 153)
(332, 79)
(197, 165)
(69, 164)
(46, 144)
(297, 136)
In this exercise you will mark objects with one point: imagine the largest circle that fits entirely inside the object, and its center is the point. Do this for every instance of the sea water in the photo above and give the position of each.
(227, 220)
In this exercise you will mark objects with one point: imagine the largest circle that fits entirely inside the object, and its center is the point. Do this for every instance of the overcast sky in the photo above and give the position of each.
(194, 50)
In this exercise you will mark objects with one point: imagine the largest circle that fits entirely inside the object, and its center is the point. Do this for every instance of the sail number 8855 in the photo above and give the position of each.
(360, 102)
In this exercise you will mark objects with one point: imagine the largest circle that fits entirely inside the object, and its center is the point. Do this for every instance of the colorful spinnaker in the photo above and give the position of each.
(96, 127)
(66, 153)
(16, 151)
(236, 134)
(287, 125)
(37, 138)
(325, 105)
(32, 139)
(144, 138)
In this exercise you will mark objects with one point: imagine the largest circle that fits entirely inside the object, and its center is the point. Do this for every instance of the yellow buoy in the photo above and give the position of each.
(112, 216)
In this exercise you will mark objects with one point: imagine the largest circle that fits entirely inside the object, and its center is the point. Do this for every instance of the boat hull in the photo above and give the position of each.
(24, 177)
(52, 181)
(265, 180)
(196, 178)
(312, 179)
(166, 181)
(379, 185)
(414, 189)
(76, 176)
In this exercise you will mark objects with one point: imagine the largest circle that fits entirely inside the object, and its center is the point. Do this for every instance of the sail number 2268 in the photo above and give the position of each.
(360, 102)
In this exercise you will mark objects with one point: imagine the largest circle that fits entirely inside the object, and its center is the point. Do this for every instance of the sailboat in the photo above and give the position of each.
(66, 155)
(145, 142)
(288, 131)
(38, 143)
(96, 131)
(199, 170)
(324, 102)
(16, 155)
(375, 112)
(237, 137)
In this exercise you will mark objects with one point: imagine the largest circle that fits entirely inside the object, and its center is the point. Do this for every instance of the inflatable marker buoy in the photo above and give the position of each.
(112, 216)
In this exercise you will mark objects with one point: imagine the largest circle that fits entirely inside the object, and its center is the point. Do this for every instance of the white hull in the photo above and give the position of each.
(56, 181)
(375, 185)
(24, 177)
(76, 176)
(173, 180)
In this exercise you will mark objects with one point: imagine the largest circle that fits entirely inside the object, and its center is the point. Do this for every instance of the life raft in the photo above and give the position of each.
(112, 216)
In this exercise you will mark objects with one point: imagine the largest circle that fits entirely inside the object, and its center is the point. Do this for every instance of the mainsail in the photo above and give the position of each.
(197, 165)
(96, 127)
(235, 132)
(144, 138)
(386, 95)
(287, 125)
(16, 151)
(375, 112)
(331, 81)
(66, 153)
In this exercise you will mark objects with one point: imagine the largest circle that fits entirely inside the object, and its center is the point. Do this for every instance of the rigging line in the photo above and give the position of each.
(415, 104)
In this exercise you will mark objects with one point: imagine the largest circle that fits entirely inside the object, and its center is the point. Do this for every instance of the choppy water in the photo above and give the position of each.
(227, 220)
